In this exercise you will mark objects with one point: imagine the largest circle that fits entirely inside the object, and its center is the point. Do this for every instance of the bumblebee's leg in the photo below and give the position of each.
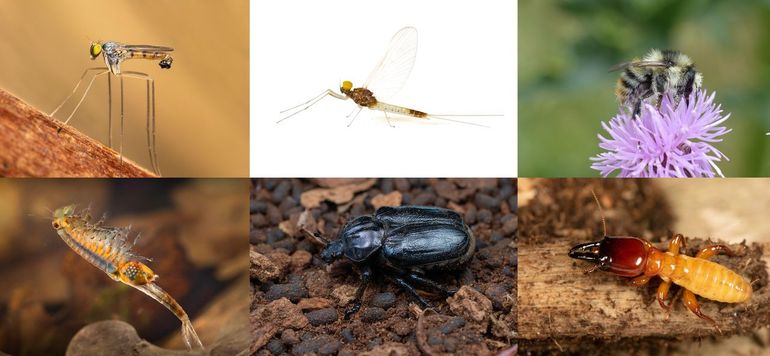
(406, 287)
(430, 285)
(639, 281)
(366, 274)
(692, 304)
(713, 250)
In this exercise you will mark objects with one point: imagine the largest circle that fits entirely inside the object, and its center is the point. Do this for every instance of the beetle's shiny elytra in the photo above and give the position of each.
(402, 243)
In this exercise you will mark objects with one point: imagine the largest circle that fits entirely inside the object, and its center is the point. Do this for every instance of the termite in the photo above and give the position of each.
(641, 261)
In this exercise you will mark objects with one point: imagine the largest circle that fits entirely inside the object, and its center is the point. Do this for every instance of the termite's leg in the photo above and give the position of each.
(678, 242)
(663, 295)
(713, 250)
(366, 273)
(692, 304)
(639, 281)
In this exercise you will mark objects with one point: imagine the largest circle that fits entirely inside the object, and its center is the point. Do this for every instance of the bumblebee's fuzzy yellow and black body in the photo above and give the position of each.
(659, 72)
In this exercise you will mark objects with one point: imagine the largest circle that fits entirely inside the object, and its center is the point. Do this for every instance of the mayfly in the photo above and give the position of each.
(107, 248)
(386, 79)
(114, 54)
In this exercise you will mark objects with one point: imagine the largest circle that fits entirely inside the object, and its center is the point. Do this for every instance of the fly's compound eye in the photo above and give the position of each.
(95, 50)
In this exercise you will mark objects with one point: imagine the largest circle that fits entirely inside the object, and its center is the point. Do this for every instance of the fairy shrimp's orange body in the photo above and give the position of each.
(107, 248)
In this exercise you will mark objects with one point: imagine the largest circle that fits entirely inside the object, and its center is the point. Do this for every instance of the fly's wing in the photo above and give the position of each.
(148, 48)
(389, 76)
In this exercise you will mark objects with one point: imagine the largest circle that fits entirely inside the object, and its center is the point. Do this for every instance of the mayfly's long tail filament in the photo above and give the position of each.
(188, 333)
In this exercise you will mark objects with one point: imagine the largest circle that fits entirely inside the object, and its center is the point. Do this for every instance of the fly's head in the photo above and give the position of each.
(136, 273)
(95, 50)
(620, 255)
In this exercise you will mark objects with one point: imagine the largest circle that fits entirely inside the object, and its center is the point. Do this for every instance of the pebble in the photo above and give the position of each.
(484, 216)
(289, 337)
(486, 202)
(424, 199)
(259, 220)
(276, 347)
(496, 294)
(470, 215)
(281, 191)
(322, 345)
(274, 235)
(322, 316)
(452, 325)
(300, 259)
(383, 300)
(292, 291)
(510, 224)
(372, 314)
(257, 206)
(347, 335)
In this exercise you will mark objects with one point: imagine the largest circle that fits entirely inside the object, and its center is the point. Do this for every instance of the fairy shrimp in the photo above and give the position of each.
(107, 248)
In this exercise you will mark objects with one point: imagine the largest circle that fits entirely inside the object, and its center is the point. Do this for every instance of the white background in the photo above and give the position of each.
(466, 64)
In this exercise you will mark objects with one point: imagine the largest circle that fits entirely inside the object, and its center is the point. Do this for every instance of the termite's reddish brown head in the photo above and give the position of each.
(624, 256)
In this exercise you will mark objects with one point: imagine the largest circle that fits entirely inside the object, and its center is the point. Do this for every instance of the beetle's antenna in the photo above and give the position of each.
(316, 236)
(604, 223)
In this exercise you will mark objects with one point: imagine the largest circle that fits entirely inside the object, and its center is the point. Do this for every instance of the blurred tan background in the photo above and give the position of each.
(202, 105)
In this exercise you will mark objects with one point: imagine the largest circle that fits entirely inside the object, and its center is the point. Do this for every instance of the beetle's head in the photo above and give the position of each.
(623, 256)
(332, 251)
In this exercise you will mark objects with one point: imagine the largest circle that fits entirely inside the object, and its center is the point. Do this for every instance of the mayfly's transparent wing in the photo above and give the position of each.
(390, 75)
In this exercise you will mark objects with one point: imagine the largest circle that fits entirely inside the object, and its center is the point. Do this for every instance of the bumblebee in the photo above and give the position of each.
(659, 72)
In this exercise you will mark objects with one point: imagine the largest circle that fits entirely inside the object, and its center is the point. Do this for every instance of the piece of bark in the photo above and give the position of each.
(30, 146)
(563, 309)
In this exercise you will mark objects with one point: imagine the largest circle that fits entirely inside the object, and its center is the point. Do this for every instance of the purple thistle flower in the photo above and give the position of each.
(673, 140)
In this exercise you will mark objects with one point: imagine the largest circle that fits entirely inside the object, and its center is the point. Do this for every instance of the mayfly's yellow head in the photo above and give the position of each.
(62, 216)
(95, 50)
(346, 86)
(136, 273)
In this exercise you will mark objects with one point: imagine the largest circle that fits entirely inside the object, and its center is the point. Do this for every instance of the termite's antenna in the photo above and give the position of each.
(604, 223)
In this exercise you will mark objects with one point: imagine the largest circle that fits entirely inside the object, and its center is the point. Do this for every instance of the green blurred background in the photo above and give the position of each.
(566, 91)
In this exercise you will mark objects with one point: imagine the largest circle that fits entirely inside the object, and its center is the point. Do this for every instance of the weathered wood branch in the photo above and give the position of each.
(31, 146)
(561, 308)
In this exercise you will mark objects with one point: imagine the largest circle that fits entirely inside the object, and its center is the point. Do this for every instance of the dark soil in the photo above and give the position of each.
(298, 302)
(563, 212)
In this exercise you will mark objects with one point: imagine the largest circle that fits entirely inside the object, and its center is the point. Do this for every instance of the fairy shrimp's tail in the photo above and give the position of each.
(188, 333)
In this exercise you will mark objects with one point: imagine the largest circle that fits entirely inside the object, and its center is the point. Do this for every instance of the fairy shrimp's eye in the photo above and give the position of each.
(95, 50)
(55, 225)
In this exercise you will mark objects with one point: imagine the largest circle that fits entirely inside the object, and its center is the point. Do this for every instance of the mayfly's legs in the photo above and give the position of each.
(82, 98)
(388, 118)
(355, 116)
(76, 88)
(150, 117)
(312, 102)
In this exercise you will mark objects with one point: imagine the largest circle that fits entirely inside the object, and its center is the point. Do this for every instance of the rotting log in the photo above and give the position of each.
(31, 145)
(563, 309)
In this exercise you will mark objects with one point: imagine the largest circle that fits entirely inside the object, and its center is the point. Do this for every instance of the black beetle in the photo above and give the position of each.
(402, 243)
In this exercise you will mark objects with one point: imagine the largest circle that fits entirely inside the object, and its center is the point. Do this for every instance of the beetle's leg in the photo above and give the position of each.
(366, 273)
(406, 287)
(692, 304)
(678, 241)
(713, 250)
(430, 285)
(639, 281)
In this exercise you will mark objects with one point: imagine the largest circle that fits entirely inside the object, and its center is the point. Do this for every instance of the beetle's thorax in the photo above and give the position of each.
(361, 238)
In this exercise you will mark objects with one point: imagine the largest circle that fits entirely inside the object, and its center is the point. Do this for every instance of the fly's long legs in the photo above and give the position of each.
(115, 53)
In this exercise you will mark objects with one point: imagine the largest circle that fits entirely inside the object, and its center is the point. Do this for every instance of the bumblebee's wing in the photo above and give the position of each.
(148, 48)
(640, 64)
